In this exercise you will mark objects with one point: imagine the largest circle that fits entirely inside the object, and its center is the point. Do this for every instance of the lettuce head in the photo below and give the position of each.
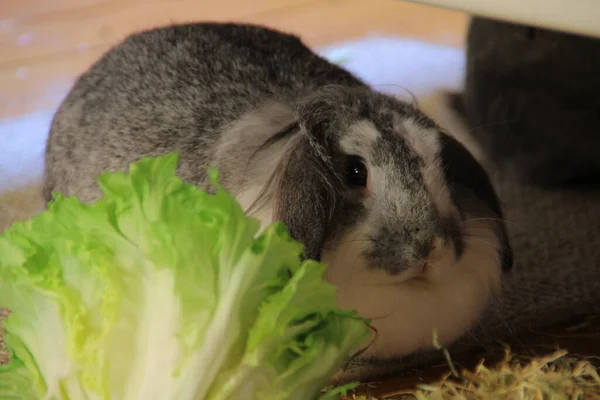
(161, 290)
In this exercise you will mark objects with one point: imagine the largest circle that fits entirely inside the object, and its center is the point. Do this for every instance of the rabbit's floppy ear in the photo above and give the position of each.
(305, 186)
(294, 167)
(460, 167)
(304, 196)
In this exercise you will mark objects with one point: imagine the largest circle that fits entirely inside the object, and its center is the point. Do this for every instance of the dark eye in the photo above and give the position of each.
(356, 172)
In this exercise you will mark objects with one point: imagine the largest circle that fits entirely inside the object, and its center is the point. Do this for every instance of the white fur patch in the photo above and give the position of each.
(425, 142)
(360, 138)
(264, 213)
(406, 310)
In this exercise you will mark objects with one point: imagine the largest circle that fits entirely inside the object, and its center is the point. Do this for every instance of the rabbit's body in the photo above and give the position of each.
(405, 218)
(175, 89)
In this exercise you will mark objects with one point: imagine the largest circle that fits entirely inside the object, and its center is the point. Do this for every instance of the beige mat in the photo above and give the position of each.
(19, 204)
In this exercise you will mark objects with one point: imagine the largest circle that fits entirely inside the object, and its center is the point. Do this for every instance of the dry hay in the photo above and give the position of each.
(555, 376)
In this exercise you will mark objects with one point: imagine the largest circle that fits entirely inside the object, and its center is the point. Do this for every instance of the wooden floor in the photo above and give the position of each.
(45, 44)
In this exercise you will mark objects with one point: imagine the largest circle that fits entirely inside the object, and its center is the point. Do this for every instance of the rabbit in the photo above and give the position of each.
(532, 100)
(407, 222)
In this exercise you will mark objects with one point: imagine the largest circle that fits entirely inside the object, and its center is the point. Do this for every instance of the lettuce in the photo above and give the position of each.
(163, 291)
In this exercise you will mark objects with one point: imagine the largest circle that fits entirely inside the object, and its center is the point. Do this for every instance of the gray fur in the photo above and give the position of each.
(265, 110)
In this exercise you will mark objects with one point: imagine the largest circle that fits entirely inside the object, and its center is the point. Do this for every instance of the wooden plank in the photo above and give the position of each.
(41, 83)
(109, 22)
(13, 10)
(577, 17)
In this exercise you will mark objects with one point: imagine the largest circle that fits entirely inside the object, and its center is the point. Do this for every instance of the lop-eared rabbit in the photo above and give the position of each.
(405, 218)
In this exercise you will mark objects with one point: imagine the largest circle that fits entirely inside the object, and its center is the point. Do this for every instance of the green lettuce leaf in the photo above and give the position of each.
(163, 291)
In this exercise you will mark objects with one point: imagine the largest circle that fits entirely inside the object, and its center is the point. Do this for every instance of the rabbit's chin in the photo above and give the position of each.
(405, 310)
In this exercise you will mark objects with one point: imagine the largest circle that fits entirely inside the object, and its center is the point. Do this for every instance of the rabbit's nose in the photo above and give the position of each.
(423, 247)
(440, 237)
(438, 246)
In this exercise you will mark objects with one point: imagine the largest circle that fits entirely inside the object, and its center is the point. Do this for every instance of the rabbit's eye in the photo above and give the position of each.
(356, 172)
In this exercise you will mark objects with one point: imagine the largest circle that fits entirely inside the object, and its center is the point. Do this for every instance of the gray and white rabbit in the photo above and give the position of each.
(532, 101)
(405, 218)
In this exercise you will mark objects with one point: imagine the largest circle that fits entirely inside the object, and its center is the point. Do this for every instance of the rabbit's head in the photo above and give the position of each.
(405, 218)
